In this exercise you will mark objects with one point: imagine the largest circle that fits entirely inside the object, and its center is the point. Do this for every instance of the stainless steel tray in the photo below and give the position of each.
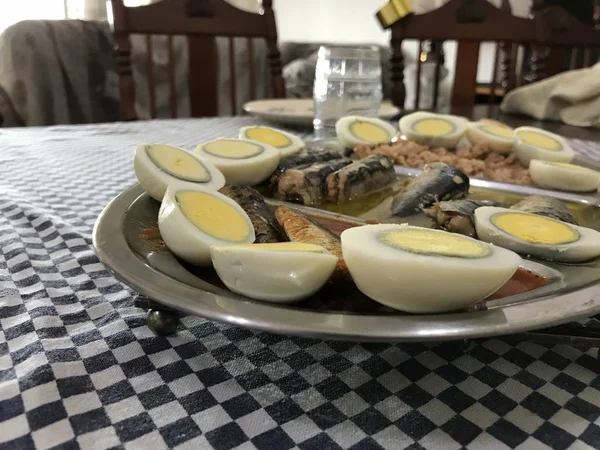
(124, 241)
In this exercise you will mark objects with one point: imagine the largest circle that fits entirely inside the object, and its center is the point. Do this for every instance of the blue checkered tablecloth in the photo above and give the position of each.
(79, 368)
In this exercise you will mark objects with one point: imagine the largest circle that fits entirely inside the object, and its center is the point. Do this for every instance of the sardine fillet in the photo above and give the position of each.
(363, 176)
(299, 228)
(266, 227)
(308, 185)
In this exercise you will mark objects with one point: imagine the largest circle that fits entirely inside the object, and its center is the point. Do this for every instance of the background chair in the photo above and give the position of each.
(201, 22)
(472, 22)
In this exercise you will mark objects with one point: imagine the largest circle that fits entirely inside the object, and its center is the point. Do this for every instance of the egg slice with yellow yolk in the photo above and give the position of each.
(354, 130)
(242, 161)
(285, 142)
(433, 130)
(497, 137)
(191, 220)
(563, 176)
(538, 236)
(280, 272)
(420, 270)
(534, 143)
(158, 166)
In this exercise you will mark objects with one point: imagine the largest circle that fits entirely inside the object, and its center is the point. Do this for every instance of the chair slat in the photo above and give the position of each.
(251, 69)
(492, 95)
(232, 73)
(418, 77)
(150, 72)
(573, 60)
(202, 78)
(465, 79)
(587, 55)
(436, 78)
(172, 87)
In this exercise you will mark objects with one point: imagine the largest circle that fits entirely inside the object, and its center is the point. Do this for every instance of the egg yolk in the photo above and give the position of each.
(535, 229)
(284, 247)
(497, 130)
(433, 243)
(539, 140)
(268, 136)
(178, 163)
(433, 127)
(213, 215)
(369, 132)
(232, 149)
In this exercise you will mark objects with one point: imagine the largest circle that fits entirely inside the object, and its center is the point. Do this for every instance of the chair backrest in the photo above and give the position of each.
(471, 22)
(201, 21)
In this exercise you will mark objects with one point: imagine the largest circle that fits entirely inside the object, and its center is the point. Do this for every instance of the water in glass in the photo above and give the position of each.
(347, 82)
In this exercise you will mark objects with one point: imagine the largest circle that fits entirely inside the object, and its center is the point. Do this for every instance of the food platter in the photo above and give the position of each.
(337, 239)
(127, 242)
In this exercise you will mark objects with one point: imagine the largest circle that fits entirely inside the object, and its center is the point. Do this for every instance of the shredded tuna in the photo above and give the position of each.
(476, 161)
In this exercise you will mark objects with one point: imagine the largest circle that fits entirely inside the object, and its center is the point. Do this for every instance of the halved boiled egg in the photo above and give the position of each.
(533, 143)
(191, 220)
(420, 270)
(354, 130)
(564, 176)
(540, 236)
(280, 272)
(242, 161)
(499, 138)
(157, 166)
(433, 130)
(286, 143)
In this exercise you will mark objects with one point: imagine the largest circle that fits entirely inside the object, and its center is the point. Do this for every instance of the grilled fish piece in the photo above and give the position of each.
(437, 182)
(266, 227)
(308, 185)
(299, 228)
(545, 206)
(457, 216)
(306, 157)
(360, 177)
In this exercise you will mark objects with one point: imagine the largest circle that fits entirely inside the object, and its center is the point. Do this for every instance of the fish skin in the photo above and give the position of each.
(305, 158)
(266, 226)
(437, 182)
(545, 206)
(300, 228)
(308, 185)
(457, 216)
(361, 177)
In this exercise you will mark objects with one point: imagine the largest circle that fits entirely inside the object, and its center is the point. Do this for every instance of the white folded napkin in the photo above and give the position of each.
(571, 97)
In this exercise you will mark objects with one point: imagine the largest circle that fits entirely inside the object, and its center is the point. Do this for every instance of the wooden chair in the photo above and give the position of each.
(201, 21)
(471, 22)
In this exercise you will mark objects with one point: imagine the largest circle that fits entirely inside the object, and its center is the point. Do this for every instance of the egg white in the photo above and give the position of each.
(585, 248)
(294, 146)
(419, 283)
(350, 140)
(262, 272)
(155, 180)
(185, 239)
(251, 170)
(526, 151)
(477, 134)
(568, 177)
(449, 140)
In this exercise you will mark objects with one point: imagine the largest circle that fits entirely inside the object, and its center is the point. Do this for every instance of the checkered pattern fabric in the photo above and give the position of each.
(79, 368)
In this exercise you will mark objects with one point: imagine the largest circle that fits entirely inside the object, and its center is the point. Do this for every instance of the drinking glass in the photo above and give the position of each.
(347, 82)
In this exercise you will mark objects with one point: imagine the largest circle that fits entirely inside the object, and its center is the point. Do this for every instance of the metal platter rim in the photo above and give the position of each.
(113, 250)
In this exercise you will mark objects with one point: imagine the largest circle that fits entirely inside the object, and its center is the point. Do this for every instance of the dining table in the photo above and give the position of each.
(80, 368)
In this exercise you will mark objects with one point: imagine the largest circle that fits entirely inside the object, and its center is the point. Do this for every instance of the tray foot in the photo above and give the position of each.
(162, 320)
